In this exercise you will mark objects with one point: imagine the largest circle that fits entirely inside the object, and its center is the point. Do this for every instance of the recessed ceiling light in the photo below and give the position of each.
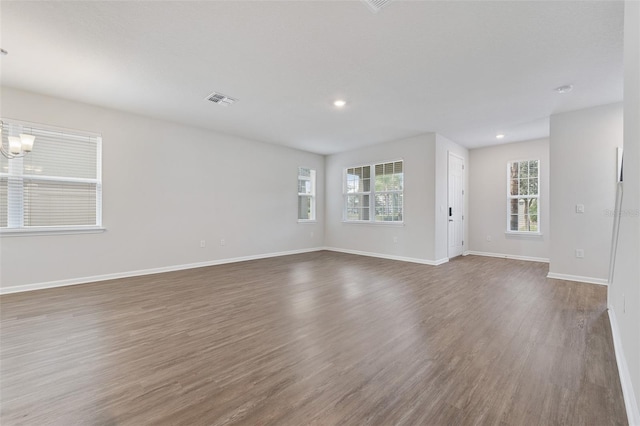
(339, 103)
(3, 52)
(564, 89)
(500, 136)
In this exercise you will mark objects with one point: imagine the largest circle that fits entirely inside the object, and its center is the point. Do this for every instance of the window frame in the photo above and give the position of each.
(372, 194)
(15, 209)
(313, 178)
(510, 197)
(346, 194)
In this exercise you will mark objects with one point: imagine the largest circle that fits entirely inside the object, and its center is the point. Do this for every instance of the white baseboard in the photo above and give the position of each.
(633, 414)
(389, 256)
(507, 256)
(91, 279)
(578, 278)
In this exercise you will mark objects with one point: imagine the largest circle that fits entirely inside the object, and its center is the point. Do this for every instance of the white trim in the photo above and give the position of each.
(510, 197)
(379, 223)
(32, 231)
(507, 256)
(578, 278)
(371, 193)
(312, 196)
(51, 178)
(19, 176)
(389, 256)
(95, 278)
(449, 203)
(522, 234)
(633, 414)
(48, 128)
(99, 185)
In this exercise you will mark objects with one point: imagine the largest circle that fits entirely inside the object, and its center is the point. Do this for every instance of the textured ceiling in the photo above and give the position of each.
(466, 70)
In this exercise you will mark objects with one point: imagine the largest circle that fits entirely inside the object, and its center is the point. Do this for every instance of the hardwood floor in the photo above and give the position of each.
(321, 338)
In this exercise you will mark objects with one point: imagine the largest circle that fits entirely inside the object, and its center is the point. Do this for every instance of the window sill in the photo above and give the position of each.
(57, 230)
(523, 234)
(367, 222)
(307, 221)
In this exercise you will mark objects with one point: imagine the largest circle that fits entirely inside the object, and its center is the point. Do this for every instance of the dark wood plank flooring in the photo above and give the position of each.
(321, 338)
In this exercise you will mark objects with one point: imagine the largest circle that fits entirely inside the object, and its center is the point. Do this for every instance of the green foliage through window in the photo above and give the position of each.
(385, 198)
(523, 196)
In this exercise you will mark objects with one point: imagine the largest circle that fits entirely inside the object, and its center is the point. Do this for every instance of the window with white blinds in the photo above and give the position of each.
(374, 193)
(57, 185)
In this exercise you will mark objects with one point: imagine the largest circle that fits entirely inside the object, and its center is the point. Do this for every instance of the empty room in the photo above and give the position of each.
(351, 212)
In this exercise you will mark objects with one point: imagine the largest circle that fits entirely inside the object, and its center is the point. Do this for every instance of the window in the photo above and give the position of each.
(523, 202)
(55, 187)
(306, 194)
(381, 201)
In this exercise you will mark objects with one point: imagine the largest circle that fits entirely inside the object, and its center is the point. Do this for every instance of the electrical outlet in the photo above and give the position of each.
(395, 239)
(203, 243)
(489, 238)
(579, 208)
(222, 242)
(580, 253)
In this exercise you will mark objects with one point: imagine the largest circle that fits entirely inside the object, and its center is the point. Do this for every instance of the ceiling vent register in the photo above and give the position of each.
(376, 5)
(220, 99)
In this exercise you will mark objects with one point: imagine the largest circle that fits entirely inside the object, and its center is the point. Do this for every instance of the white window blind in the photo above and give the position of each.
(57, 185)
(389, 179)
(381, 201)
(306, 194)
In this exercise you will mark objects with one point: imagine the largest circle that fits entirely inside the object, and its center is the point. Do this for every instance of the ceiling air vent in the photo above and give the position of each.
(220, 99)
(376, 5)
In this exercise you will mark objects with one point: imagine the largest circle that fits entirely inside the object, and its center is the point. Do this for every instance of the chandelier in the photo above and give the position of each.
(18, 146)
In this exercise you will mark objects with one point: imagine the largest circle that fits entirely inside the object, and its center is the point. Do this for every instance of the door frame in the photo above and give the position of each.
(461, 158)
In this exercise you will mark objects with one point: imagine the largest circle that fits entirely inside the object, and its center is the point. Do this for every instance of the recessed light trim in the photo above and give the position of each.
(500, 136)
(564, 89)
(339, 103)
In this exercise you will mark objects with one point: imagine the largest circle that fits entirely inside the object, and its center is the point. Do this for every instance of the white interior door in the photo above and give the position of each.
(455, 208)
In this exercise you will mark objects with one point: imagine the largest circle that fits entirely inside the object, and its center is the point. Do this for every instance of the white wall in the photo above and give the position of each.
(583, 171)
(624, 290)
(488, 199)
(423, 236)
(415, 239)
(443, 147)
(165, 188)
